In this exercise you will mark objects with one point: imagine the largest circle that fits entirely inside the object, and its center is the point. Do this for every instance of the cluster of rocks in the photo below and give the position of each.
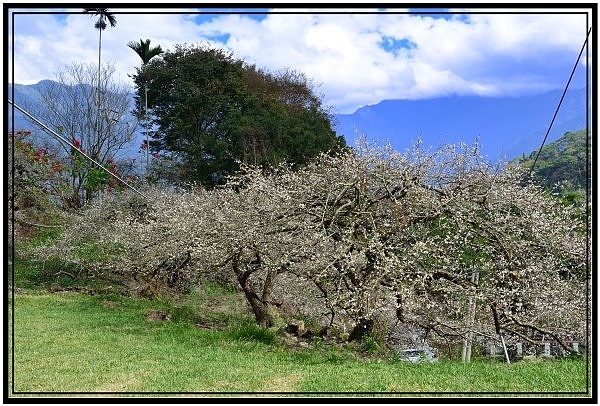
(296, 334)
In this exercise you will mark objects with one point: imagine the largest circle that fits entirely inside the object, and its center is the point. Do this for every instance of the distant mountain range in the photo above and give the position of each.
(505, 127)
(28, 97)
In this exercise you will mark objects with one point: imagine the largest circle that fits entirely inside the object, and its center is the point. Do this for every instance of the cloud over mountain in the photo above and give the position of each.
(358, 57)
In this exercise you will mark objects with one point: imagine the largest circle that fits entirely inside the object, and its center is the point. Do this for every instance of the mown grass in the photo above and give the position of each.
(73, 342)
(100, 342)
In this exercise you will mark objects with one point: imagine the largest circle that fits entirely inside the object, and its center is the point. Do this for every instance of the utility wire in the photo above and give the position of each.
(560, 102)
(66, 141)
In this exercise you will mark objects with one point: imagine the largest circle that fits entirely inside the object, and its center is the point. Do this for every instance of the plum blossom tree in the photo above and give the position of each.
(440, 241)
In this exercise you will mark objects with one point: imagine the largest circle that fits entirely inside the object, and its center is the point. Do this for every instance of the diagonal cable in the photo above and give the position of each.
(66, 141)
(560, 102)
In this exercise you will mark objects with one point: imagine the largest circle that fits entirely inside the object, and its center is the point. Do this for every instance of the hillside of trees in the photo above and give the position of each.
(372, 242)
(561, 166)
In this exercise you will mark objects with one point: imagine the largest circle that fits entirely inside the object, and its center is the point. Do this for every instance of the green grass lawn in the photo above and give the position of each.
(75, 342)
(98, 342)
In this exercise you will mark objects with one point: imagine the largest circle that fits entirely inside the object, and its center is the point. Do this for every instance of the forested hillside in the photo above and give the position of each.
(561, 165)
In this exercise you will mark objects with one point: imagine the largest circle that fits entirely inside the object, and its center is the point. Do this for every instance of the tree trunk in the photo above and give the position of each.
(98, 92)
(261, 310)
(261, 305)
(362, 328)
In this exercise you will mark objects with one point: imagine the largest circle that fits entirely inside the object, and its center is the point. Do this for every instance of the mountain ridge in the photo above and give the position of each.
(505, 127)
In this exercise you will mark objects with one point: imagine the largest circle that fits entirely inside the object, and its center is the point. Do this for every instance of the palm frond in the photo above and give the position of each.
(103, 16)
(144, 51)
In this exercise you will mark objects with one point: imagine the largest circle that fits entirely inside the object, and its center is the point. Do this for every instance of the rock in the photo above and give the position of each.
(296, 327)
(290, 339)
(157, 315)
(307, 334)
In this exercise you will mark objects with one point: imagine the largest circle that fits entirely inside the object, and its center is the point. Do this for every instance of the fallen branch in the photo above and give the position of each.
(28, 223)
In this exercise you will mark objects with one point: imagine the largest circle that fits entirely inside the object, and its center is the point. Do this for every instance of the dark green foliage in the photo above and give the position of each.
(52, 275)
(561, 166)
(212, 111)
(249, 331)
(370, 344)
(144, 50)
(104, 16)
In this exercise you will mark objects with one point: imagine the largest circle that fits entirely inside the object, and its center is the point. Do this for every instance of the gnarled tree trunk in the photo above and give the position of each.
(261, 305)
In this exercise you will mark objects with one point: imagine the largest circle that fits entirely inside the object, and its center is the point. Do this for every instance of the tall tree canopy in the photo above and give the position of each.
(145, 52)
(212, 111)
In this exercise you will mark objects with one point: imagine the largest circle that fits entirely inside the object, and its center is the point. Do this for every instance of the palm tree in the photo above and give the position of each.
(103, 17)
(146, 53)
(143, 49)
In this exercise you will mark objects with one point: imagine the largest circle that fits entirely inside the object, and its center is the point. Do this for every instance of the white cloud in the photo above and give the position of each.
(475, 54)
(76, 39)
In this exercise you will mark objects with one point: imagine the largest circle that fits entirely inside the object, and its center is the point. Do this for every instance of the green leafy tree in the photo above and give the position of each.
(213, 112)
(144, 50)
(104, 17)
(35, 181)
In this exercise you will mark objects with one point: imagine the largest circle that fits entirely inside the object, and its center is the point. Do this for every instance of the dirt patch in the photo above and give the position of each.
(123, 383)
(16, 291)
(109, 304)
(283, 383)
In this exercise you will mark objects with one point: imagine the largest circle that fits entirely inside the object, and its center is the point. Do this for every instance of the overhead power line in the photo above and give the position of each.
(66, 141)
(560, 102)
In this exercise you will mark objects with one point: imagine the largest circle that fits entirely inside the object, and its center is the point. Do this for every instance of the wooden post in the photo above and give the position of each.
(467, 343)
(504, 347)
(547, 349)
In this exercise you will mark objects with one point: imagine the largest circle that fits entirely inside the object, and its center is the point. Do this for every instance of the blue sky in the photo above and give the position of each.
(355, 57)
